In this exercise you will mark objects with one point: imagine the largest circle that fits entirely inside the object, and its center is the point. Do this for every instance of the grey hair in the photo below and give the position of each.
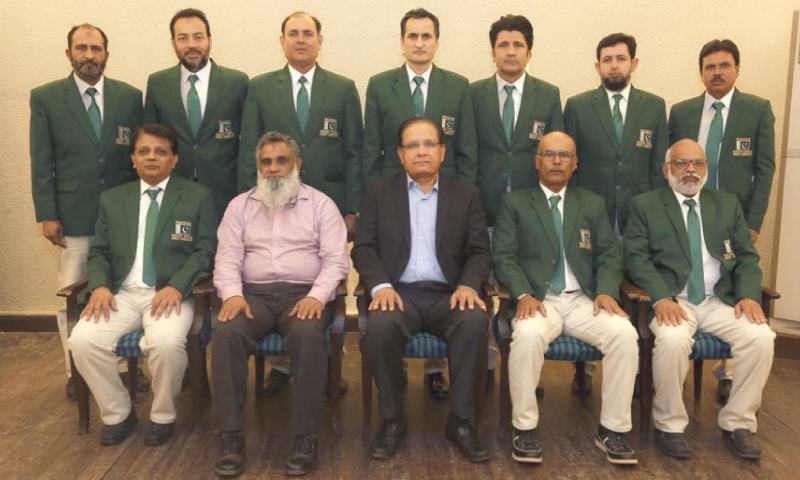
(667, 158)
(278, 137)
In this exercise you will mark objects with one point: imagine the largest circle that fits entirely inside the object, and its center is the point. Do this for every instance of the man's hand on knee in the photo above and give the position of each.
(232, 307)
(527, 307)
(101, 303)
(307, 308)
(466, 298)
(607, 303)
(751, 309)
(386, 299)
(668, 312)
(164, 301)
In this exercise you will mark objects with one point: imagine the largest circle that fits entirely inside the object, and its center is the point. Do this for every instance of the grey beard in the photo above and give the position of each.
(685, 189)
(88, 70)
(276, 192)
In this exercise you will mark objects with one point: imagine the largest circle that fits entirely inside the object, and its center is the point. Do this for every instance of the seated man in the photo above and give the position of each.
(565, 277)
(282, 252)
(691, 250)
(422, 249)
(154, 241)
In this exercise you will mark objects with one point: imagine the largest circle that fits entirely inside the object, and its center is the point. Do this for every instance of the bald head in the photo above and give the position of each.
(685, 167)
(556, 160)
(555, 138)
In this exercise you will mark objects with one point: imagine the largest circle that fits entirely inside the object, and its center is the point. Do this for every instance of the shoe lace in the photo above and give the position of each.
(616, 443)
(526, 438)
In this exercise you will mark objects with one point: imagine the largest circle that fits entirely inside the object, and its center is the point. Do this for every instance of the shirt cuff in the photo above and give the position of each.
(522, 295)
(324, 295)
(379, 286)
(226, 293)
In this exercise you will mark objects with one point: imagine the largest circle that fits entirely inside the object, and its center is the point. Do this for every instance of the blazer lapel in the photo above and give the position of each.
(572, 205)
(632, 114)
(75, 103)
(319, 93)
(603, 112)
(435, 93)
(695, 115)
(708, 212)
(542, 208)
(676, 217)
(402, 92)
(524, 124)
(442, 212)
(175, 104)
(171, 198)
(734, 117)
(286, 96)
(131, 208)
(216, 85)
(401, 208)
(109, 111)
(493, 107)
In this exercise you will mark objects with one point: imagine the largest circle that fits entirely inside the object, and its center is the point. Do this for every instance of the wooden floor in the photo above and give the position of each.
(38, 432)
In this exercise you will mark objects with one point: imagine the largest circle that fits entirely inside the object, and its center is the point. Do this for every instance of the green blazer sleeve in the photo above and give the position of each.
(352, 142)
(42, 162)
(506, 251)
(251, 131)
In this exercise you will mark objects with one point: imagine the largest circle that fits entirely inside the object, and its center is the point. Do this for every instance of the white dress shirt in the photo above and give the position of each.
(710, 264)
(134, 278)
(516, 94)
(570, 281)
(296, 83)
(201, 86)
(708, 115)
(424, 87)
(623, 104)
(87, 99)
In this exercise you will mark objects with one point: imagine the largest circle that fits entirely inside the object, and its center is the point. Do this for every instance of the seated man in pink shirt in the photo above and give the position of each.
(281, 253)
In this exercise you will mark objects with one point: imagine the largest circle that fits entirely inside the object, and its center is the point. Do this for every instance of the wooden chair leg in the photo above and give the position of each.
(197, 366)
(580, 374)
(335, 380)
(646, 388)
(133, 372)
(480, 390)
(366, 386)
(698, 379)
(504, 423)
(258, 381)
(82, 397)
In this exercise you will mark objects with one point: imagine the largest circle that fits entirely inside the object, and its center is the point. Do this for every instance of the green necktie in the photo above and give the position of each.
(94, 113)
(712, 144)
(302, 104)
(148, 263)
(416, 97)
(193, 106)
(696, 285)
(557, 283)
(616, 117)
(508, 112)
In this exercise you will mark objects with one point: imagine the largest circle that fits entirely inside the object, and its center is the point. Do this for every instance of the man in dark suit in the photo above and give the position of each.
(154, 241)
(422, 249)
(80, 135)
(513, 111)
(690, 249)
(737, 131)
(555, 250)
(419, 89)
(202, 102)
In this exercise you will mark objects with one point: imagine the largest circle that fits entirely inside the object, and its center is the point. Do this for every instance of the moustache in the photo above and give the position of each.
(717, 78)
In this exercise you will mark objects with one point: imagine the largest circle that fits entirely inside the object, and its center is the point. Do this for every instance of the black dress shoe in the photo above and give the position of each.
(742, 443)
(464, 436)
(724, 390)
(388, 437)
(230, 460)
(437, 386)
(525, 446)
(582, 387)
(304, 455)
(275, 382)
(114, 434)
(72, 393)
(617, 449)
(158, 433)
(673, 444)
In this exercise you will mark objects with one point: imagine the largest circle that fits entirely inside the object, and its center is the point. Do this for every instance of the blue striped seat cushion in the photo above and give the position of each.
(570, 348)
(272, 345)
(426, 345)
(128, 345)
(707, 346)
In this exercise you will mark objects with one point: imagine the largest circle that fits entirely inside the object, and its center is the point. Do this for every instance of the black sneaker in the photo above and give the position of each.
(742, 443)
(525, 446)
(616, 447)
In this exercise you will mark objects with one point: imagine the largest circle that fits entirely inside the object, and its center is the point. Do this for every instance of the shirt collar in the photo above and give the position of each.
(426, 74)
(296, 75)
(549, 193)
(412, 183)
(144, 186)
(82, 86)
(501, 84)
(726, 100)
(625, 92)
(681, 197)
(202, 75)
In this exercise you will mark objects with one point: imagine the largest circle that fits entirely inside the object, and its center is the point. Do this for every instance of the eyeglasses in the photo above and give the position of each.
(684, 164)
(427, 144)
(550, 155)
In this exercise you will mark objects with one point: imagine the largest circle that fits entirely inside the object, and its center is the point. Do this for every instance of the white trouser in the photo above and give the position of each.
(573, 313)
(71, 270)
(164, 343)
(752, 347)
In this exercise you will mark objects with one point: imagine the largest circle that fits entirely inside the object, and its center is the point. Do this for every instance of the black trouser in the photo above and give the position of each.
(304, 340)
(427, 308)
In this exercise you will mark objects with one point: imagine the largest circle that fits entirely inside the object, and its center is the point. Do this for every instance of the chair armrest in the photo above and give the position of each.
(768, 297)
(205, 296)
(629, 291)
(642, 306)
(362, 304)
(70, 294)
(489, 290)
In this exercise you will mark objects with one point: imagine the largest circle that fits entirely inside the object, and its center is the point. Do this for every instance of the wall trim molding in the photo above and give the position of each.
(28, 323)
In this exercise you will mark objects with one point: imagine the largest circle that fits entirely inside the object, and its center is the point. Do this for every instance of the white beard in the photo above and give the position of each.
(685, 189)
(276, 192)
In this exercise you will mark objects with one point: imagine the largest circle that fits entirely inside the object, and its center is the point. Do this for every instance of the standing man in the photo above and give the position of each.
(513, 111)
(690, 249)
(422, 249)
(80, 137)
(155, 240)
(203, 103)
(317, 107)
(737, 132)
(556, 252)
(419, 89)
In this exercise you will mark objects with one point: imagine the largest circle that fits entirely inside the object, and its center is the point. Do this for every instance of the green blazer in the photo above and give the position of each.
(656, 245)
(618, 171)
(539, 113)
(389, 104)
(525, 246)
(747, 155)
(211, 158)
(69, 166)
(180, 262)
(331, 144)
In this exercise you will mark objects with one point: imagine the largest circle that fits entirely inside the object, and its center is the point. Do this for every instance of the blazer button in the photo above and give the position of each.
(194, 147)
(100, 160)
(617, 187)
(102, 181)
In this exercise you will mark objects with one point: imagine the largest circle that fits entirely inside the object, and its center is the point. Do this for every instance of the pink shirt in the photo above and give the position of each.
(305, 242)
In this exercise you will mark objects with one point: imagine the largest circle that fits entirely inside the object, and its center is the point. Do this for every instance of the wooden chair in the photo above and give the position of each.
(128, 348)
(564, 347)
(422, 345)
(706, 347)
